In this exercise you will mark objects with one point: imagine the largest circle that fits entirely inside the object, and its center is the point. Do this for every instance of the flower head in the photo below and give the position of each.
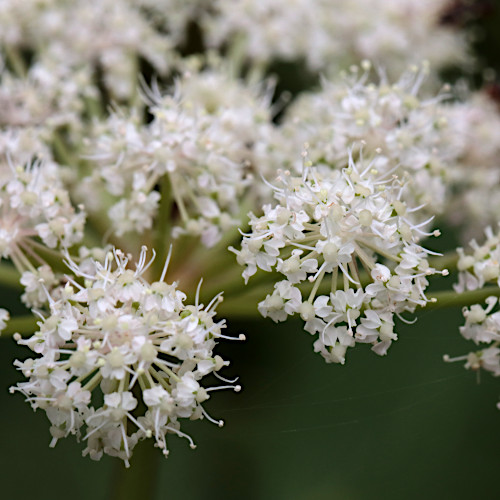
(479, 269)
(344, 227)
(108, 330)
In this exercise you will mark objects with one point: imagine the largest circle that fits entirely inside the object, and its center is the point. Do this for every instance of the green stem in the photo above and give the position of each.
(25, 325)
(454, 299)
(16, 61)
(135, 100)
(447, 261)
(100, 227)
(52, 257)
(163, 229)
(139, 482)
(61, 150)
(245, 305)
(9, 276)
(93, 108)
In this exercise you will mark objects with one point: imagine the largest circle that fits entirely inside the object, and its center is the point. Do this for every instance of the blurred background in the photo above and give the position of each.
(403, 426)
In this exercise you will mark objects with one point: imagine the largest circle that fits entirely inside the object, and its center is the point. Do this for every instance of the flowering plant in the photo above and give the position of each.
(151, 165)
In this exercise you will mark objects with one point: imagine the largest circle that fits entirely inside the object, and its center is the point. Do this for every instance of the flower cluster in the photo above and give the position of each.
(202, 147)
(106, 34)
(130, 123)
(479, 269)
(447, 143)
(329, 32)
(110, 332)
(473, 137)
(348, 223)
(35, 205)
(390, 120)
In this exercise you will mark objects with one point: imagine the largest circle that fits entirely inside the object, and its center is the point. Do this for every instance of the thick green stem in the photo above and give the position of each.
(163, 227)
(9, 276)
(447, 261)
(15, 61)
(24, 325)
(245, 305)
(454, 299)
(139, 482)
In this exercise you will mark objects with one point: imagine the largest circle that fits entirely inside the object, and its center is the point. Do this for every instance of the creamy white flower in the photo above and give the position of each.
(480, 269)
(202, 148)
(344, 223)
(109, 328)
(473, 134)
(34, 204)
(324, 32)
(391, 120)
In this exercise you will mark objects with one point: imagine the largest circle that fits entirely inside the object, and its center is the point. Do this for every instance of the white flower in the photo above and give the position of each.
(399, 31)
(109, 328)
(344, 223)
(201, 147)
(285, 300)
(480, 270)
(390, 120)
(186, 390)
(33, 202)
(37, 285)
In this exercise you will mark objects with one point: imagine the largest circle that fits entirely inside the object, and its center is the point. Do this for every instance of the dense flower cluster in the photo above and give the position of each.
(329, 32)
(130, 123)
(349, 223)
(110, 331)
(390, 120)
(447, 143)
(479, 269)
(202, 146)
(108, 35)
(34, 204)
(473, 137)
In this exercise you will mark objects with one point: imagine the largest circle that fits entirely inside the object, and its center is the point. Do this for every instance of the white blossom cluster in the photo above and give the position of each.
(351, 224)
(481, 266)
(114, 34)
(390, 120)
(109, 35)
(114, 135)
(328, 33)
(448, 146)
(110, 332)
(47, 95)
(37, 107)
(473, 136)
(34, 204)
(478, 269)
(202, 146)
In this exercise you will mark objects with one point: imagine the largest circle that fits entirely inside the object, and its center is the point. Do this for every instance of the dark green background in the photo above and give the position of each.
(404, 426)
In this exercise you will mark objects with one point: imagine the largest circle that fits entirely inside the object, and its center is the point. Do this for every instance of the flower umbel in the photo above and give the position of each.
(109, 331)
(345, 227)
(479, 269)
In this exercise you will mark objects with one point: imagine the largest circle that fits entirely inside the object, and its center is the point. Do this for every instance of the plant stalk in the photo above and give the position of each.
(139, 482)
